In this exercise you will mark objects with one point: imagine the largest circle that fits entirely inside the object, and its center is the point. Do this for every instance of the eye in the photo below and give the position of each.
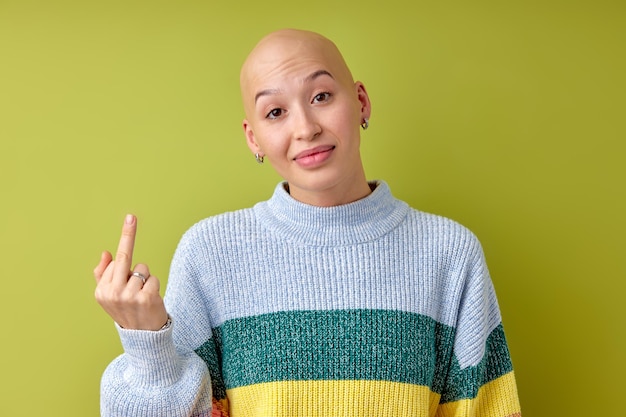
(321, 97)
(274, 113)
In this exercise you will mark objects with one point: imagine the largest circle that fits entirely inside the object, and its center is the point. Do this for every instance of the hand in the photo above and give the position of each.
(131, 302)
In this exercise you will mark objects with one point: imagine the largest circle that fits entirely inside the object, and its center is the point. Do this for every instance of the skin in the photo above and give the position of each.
(299, 96)
(303, 112)
(132, 304)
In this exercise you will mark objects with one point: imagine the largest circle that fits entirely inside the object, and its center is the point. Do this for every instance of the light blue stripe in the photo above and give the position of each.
(421, 267)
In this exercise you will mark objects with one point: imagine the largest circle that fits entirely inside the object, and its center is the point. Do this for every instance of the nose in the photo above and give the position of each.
(305, 125)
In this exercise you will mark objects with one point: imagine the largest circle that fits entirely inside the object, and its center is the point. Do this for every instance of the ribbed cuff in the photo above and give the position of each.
(151, 356)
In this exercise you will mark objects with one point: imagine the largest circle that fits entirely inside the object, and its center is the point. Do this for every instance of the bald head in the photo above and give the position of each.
(286, 49)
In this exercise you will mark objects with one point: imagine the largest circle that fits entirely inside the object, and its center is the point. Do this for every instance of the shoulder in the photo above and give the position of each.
(435, 226)
(429, 225)
(438, 239)
(223, 220)
(220, 229)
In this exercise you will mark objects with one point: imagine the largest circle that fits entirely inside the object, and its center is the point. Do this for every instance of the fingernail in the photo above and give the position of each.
(129, 219)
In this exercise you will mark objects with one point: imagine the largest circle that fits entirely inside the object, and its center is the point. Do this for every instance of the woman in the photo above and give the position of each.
(331, 298)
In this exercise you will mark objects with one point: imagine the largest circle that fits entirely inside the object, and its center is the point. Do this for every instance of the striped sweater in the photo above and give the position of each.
(366, 309)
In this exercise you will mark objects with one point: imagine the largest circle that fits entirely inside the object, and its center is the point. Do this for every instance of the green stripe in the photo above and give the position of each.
(329, 345)
(374, 345)
(210, 352)
(464, 383)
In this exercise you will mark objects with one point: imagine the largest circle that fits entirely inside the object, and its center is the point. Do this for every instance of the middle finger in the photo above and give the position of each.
(124, 255)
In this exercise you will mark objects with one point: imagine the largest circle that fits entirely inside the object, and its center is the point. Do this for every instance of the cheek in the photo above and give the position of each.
(344, 122)
(349, 114)
(272, 140)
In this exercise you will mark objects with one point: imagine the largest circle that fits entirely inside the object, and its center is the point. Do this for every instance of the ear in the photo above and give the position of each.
(364, 99)
(250, 139)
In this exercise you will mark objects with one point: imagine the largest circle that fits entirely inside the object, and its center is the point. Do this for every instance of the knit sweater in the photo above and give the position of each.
(371, 308)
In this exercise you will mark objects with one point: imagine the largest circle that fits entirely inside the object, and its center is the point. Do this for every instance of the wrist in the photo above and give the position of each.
(151, 356)
(167, 324)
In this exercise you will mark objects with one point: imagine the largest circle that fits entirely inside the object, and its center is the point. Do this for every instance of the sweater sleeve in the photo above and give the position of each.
(152, 378)
(480, 379)
(159, 373)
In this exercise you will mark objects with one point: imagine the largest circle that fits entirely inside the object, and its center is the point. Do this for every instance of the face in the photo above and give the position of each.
(303, 113)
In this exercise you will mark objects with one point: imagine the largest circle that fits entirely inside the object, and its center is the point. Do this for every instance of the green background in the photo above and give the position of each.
(506, 116)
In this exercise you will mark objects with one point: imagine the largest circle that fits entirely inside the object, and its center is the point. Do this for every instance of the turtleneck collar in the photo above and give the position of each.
(360, 221)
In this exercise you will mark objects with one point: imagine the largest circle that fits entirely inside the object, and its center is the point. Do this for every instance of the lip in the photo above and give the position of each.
(313, 151)
(314, 156)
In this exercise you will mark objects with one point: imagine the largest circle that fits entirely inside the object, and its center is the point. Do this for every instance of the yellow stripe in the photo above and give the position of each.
(332, 398)
(498, 398)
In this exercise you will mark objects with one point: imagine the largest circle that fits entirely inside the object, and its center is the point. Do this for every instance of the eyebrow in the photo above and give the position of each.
(317, 74)
(309, 78)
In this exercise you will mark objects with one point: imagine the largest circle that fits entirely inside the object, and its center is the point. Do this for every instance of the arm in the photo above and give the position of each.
(480, 379)
(153, 377)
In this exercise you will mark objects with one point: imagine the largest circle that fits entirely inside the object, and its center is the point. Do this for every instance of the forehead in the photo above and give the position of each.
(288, 57)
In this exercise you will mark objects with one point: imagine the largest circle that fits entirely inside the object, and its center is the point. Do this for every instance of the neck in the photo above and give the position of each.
(335, 195)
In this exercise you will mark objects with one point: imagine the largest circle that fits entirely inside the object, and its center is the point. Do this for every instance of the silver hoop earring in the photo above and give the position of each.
(365, 124)
(259, 158)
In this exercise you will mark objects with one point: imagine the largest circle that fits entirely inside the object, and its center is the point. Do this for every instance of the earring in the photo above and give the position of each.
(365, 124)
(259, 158)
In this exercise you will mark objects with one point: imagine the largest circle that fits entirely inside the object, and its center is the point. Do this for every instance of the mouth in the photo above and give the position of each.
(315, 157)
(314, 151)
